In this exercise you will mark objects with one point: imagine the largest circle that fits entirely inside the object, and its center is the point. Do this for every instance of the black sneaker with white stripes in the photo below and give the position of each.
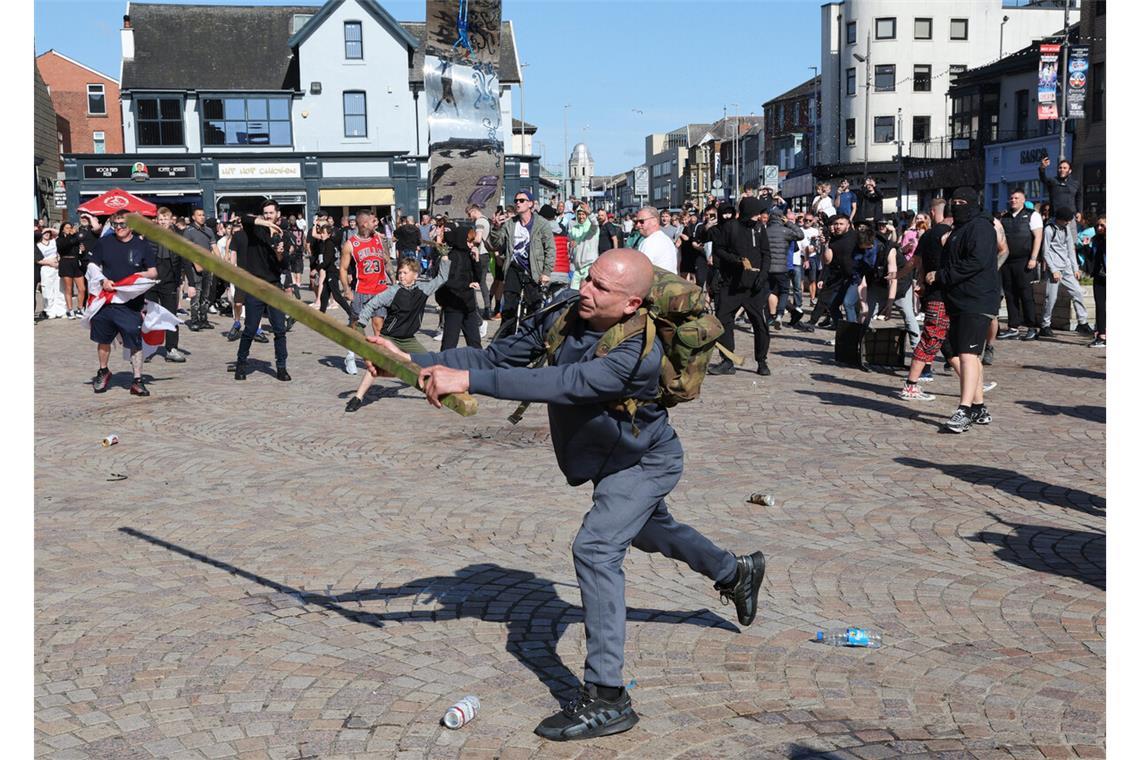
(589, 716)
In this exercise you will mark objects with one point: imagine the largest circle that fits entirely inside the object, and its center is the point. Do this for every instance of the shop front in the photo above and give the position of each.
(1013, 164)
(939, 179)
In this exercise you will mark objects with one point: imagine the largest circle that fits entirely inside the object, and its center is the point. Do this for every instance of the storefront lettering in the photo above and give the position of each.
(1033, 155)
(256, 171)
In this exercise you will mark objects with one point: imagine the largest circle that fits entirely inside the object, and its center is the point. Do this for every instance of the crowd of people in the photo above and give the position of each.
(839, 259)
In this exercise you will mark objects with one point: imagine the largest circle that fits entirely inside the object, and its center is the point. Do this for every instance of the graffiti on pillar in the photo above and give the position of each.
(465, 126)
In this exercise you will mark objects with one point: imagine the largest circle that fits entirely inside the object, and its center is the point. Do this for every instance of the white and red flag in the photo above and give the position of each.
(156, 320)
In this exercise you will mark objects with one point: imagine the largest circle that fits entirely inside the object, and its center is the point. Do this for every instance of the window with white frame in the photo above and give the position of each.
(355, 114)
(98, 142)
(96, 100)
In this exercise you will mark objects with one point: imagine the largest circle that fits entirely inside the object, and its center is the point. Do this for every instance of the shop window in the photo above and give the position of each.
(246, 121)
(922, 77)
(96, 100)
(355, 115)
(158, 120)
(884, 129)
(353, 41)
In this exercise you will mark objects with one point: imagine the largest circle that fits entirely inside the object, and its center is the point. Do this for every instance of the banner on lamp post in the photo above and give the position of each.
(1047, 82)
(1078, 81)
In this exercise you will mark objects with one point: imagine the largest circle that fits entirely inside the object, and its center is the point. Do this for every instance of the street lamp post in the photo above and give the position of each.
(899, 148)
(565, 150)
(814, 115)
(735, 151)
(866, 60)
(522, 108)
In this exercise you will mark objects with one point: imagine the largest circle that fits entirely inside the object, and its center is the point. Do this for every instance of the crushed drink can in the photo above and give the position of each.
(462, 712)
(764, 499)
(110, 440)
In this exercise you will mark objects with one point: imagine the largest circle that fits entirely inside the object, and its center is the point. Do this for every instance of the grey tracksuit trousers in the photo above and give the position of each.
(629, 508)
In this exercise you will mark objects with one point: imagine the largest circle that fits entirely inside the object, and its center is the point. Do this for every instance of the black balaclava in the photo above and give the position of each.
(963, 213)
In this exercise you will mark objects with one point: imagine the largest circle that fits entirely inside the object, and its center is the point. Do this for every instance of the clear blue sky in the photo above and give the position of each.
(675, 62)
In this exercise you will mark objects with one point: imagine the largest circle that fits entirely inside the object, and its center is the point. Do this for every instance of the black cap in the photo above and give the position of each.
(750, 207)
(1064, 214)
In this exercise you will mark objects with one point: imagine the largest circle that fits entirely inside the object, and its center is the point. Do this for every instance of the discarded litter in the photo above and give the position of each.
(115, 477)
(462, 712)
(850, 637)
(110, 440)
(764, 499)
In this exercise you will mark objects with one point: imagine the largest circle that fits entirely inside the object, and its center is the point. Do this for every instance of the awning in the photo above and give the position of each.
(358, 196)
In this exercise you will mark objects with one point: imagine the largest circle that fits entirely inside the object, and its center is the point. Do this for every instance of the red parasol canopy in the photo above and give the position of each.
(114, 201)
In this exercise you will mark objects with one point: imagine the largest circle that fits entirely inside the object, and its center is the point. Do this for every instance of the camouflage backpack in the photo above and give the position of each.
(675, 312)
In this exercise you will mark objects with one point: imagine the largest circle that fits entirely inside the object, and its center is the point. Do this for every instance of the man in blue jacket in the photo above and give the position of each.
(632, 472)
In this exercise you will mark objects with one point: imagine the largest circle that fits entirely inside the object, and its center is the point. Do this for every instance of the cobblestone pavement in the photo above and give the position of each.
(254, 573)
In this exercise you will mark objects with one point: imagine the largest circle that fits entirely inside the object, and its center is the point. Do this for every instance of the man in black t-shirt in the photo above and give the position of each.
(265, 258)
(120, 255)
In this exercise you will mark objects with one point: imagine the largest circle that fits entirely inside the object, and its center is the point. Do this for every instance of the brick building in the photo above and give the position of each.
(86, 104)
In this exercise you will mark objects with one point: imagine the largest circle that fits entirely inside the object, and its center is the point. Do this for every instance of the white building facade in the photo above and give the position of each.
(909, 51)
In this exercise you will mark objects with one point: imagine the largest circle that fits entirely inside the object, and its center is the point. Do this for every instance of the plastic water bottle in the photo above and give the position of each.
(462, 712)
(850, 637)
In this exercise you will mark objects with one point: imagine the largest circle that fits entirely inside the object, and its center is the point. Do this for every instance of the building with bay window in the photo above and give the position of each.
(321, 107)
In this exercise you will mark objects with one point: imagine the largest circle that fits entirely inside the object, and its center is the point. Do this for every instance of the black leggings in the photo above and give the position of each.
(1099, 292)
(332, 288)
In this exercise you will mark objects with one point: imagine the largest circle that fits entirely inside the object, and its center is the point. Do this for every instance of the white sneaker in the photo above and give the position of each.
(438, 335)
(987, 387)
(350, 363)
(482, 329)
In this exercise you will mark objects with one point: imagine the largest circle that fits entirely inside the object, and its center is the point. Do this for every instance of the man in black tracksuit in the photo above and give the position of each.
(743, 258)
(1063, 191)
(971, 288)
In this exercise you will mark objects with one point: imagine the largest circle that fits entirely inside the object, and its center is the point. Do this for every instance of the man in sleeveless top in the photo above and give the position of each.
(365, 250)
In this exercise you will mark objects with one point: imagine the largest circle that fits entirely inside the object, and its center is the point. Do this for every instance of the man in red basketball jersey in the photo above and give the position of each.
(365, 250)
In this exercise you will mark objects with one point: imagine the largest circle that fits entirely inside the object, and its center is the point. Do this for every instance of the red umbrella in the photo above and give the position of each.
(115, 201)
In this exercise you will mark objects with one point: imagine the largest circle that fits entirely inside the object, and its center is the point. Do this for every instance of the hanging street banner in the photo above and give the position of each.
(1047, 82)
(461, 81)
(1078, 81)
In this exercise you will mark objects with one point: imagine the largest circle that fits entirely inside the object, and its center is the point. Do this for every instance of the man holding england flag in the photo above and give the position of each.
(123, 262)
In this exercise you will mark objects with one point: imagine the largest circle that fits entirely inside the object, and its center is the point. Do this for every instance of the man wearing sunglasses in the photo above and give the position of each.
(119, 255)
(528, 244)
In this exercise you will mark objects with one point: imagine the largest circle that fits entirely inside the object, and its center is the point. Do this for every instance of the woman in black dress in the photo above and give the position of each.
(71, 270)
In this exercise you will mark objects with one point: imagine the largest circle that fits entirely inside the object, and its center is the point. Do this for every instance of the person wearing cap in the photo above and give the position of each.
(971, 289)
(1060, 253)
(527, 243)
(744, 259)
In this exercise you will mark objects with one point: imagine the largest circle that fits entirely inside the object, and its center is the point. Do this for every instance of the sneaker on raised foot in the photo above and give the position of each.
(352, 405)
(744, 589)
(960, 422)
(174, 355)
(233, 333)
(138, 389)
(102, 380)
(589, 716)
(988, 386)
(927, 375)
(260, 337)
(914, 393)
(350, 363)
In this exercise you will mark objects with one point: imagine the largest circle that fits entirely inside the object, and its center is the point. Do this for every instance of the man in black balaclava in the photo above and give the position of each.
(714, 234)
(743, 258)
(971, 288)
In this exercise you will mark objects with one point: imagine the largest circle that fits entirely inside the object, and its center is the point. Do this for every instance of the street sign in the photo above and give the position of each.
(641, 180)
(60, 194)
(771, 176)
(717, 184)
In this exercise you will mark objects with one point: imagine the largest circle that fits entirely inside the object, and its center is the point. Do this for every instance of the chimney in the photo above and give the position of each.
(127, 36)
